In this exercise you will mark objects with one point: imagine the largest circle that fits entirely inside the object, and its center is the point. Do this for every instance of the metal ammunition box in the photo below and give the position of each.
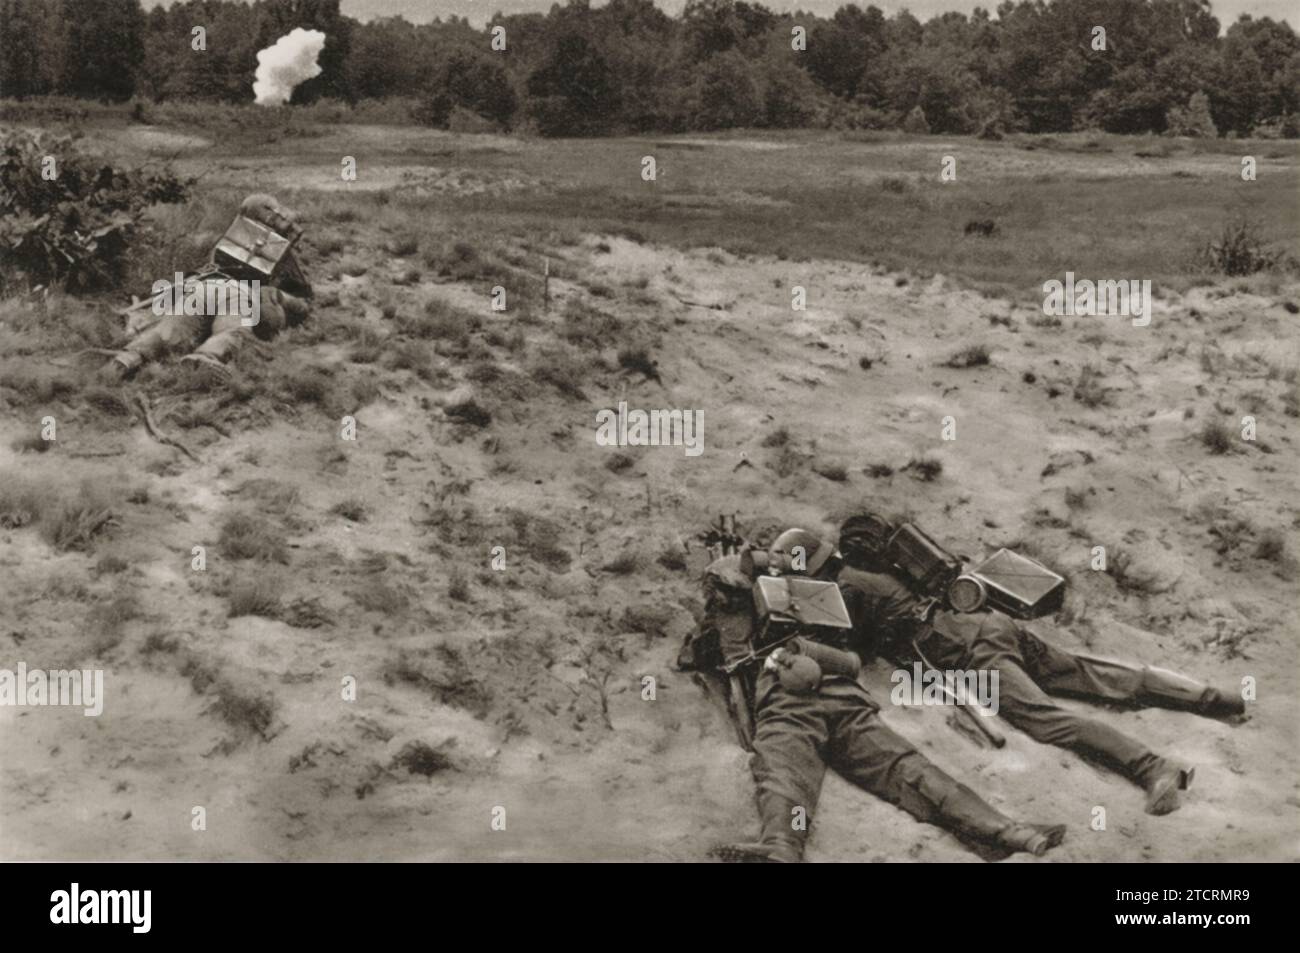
(788, 603)
(926, 565)
(252, 247)
(1019, 586)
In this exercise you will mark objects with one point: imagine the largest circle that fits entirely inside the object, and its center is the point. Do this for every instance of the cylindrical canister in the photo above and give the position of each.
(832, 661)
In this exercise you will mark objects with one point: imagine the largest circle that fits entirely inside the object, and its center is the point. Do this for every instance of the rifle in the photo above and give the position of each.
(758, 655)
(923, 612)
(721, 538)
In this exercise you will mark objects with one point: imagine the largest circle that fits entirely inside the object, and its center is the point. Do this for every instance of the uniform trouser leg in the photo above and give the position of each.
(178, 333)
(229, 332)
(870, 754)
(1064, 673)
(224, 344)
(1023, 702)
(789, 766)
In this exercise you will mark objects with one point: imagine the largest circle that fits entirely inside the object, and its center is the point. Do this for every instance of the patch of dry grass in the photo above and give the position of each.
(975, 355)
(1090, 388)
(67, 519)
(245, 534)
(417, 757)
(444, 673)
(1215, 437)
(925, 469)
(353, 509)
(258, 596)
(561, 368)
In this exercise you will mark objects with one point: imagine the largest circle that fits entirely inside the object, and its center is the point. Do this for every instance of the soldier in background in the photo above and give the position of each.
(888, 619)
(256, 247)
(832, 721)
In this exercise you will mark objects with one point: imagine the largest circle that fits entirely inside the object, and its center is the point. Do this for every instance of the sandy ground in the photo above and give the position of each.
(664, 779)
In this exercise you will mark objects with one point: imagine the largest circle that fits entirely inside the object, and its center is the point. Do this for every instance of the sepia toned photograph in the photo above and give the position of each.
(649, 431)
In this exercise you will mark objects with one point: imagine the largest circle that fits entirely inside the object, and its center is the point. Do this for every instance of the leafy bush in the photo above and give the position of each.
(916, 123)
(791, 99)
(472, 84)
(725, 96)
(573, 91)
(78, 226)
(1239, 251)
(1194, 119)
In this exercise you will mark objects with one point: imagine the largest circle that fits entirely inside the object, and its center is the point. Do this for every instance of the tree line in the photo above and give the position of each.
(1032, 66)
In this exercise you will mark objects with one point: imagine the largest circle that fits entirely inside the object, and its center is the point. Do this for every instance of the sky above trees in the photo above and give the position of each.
(477, 11)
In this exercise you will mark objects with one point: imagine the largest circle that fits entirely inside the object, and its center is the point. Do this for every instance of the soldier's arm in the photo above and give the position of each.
(730, 613)
(884, 616)
(725, 632)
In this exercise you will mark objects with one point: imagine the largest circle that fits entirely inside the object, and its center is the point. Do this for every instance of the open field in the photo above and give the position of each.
(522, 688)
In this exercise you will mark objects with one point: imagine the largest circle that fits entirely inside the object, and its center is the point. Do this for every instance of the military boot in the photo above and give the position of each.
(958, 808)
(1162, 782)
(1178, 691)
(1220, 704)
(296, 310)
(1036, 839)
(753, 853)
(121, 366)
(780, 843)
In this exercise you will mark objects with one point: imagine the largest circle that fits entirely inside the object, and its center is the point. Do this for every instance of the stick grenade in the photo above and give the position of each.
(991, 734)
(994, 737)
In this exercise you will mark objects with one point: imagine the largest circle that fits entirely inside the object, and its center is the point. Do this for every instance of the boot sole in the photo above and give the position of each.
(1046, 837)
(1047, 840)
(741, 854)
(1164, 800)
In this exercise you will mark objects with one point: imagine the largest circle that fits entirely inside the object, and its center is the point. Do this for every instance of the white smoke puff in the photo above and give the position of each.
(289, 61)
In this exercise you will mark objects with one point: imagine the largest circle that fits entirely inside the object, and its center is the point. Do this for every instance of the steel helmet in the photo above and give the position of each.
(865, 535)
(799, 550)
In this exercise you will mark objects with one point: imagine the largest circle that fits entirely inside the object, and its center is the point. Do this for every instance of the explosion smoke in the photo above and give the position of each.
(289, 61)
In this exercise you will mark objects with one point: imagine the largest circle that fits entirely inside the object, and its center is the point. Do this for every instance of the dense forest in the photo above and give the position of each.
(1166, 66)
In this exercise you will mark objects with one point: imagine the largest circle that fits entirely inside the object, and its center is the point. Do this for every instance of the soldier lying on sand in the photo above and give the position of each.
(807, 717)
(891, 620)
(254, 264)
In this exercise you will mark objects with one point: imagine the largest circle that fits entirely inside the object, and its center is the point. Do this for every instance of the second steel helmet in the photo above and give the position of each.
(865, 536)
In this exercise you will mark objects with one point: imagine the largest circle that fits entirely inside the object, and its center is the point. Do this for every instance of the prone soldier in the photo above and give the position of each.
(256, 248)
(895, 622)
(809, 715)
